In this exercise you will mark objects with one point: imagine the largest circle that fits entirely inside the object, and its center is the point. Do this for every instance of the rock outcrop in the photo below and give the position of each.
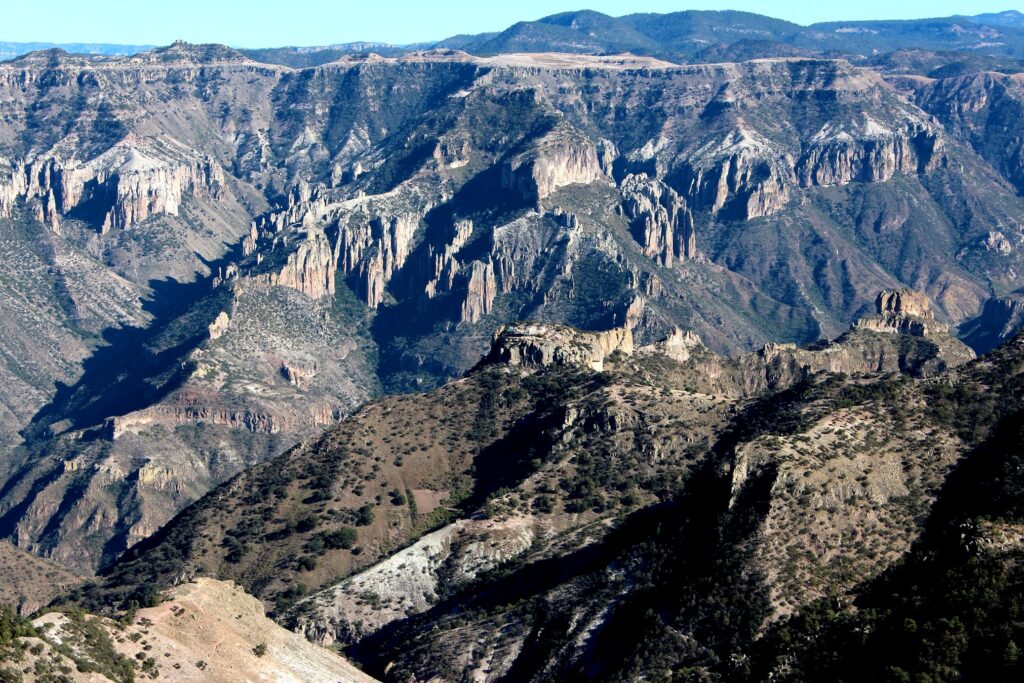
(562, 157)
(372, 239)
(659, 219)
(869, 152)
(481, 288)
(310, 269)
(541, 345)
(410, 581)
(902, 311)
(743, 176)
(678, 345)
(133, 180)
(185, 412)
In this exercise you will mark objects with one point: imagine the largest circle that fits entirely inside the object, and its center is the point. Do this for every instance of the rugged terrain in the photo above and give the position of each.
(563, 493)
(246, 251)
(521, 358)
(31, 582)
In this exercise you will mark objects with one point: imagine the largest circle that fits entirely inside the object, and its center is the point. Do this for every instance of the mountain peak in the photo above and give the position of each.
(181, 50)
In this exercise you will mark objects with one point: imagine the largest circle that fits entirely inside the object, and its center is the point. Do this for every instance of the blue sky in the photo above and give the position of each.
(264, 23)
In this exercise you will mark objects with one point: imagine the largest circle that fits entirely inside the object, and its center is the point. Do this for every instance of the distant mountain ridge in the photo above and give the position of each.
(10, 50)
(689, 36)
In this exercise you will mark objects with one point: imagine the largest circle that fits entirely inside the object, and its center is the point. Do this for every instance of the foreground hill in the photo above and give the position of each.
(202, 631)
(840, 507)
(579, 506)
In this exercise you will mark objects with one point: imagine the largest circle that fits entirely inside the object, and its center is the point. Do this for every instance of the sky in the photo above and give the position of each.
(272, 23)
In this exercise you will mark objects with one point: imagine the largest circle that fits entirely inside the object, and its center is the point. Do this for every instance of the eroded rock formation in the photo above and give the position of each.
(869, 152)
(659, 218)
(133, 180)
(563, 157)
(902, 311)
(543, 345)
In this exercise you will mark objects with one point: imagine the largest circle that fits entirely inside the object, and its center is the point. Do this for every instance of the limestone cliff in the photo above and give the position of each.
(868, 151)
(133, 180)
(481, 288)
(902, 311)
(743, 176)
(310, 269)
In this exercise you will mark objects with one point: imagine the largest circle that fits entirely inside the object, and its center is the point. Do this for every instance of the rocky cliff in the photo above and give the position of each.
(562, 157)
(904, 312)
(659, 219)
(133, 180)
(526, 345)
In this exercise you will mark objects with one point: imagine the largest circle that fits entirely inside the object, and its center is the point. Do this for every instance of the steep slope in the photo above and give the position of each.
(57, 302)
(30, 582)
(153, 209)
(951, 608)
(811, 496)
(203, 631)
(543, 397)
(981, 108)
(999, 321)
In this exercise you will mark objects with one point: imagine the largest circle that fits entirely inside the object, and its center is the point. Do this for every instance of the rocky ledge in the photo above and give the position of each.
(902, 311)
(542, 345)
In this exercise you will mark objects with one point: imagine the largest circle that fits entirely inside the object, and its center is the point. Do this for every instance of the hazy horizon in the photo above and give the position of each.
(401, 22)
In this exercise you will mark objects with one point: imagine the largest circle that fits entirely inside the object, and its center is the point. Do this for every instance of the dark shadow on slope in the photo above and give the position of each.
(399, 326)
(10, 518)
(948, 610)
(135, 366)
(684, 573)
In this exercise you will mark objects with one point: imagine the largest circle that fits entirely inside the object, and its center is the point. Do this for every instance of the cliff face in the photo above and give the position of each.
(562, 157)
(659, 219)
(980, 109)
(133, 180)
(741, 176)
(310, 269)
(902, 311)
(868, 152)
(546, 345)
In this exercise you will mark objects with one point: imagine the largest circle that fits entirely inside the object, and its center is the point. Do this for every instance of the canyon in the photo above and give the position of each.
(586, 349)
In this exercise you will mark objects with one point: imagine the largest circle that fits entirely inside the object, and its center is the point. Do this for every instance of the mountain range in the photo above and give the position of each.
(656, 347)
(692, 36)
